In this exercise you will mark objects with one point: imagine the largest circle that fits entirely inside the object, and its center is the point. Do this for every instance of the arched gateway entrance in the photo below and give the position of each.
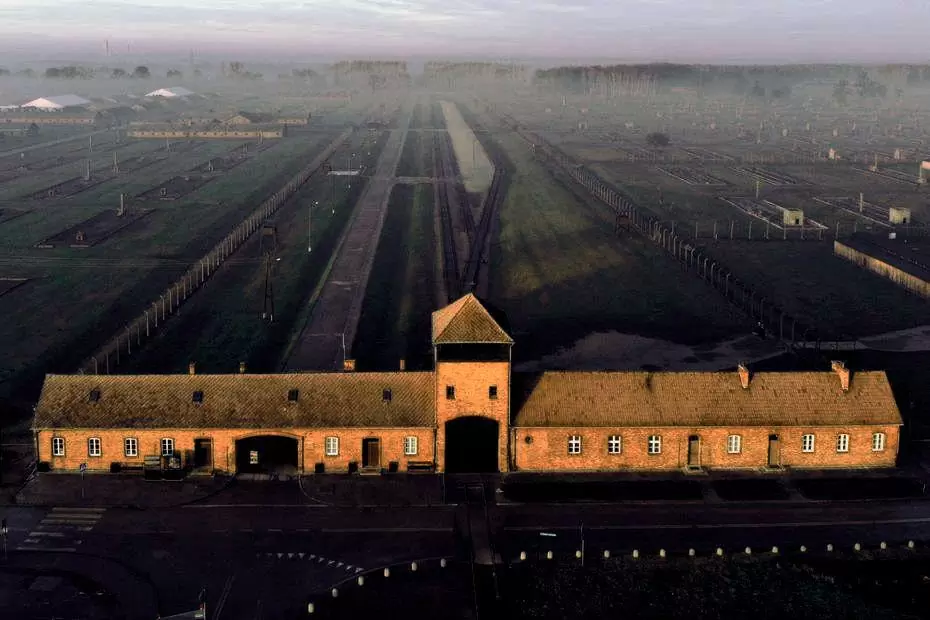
(266, 454)
(471, 445)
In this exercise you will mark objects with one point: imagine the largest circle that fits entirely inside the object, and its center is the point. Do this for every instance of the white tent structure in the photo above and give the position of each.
(172, 93)
(58, 102)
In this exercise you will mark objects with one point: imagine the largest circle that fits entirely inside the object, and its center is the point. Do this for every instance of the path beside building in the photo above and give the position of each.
(335, 314)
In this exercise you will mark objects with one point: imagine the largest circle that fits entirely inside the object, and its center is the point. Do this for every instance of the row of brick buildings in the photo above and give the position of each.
(471, 413)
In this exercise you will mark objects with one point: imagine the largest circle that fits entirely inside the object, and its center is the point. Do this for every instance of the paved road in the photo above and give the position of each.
(273, 555)
(331, 327)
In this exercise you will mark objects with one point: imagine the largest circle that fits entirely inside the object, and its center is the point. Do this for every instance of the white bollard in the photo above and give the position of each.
(719, 551)
(661, 553)
(361, 580)
(803, 549)
(387, 572)
(691, 553)
(607, 555)
(910, 544)
(442, 563)
(857, 547)
(635, 553)
(311, 608)
(413, 566)
(748, 551)
(335, 592)
(829, 547)
(578, 554)
(884, 545)
(548, 555)
(522, 556)
(774, 549)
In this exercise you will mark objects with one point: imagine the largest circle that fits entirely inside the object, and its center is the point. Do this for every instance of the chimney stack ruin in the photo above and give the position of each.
(743, 371)
(840, 369)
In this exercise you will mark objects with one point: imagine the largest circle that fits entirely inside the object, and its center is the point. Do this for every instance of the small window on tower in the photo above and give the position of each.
(293, 395)
(198, 396)
(386, 395)
(94, 395)
(450, 392)
(492, 392)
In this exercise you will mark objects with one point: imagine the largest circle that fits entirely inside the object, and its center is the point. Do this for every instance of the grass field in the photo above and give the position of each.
(395, 319)
(559, 273)
(80, 297)
(713, 588)
(222, 325)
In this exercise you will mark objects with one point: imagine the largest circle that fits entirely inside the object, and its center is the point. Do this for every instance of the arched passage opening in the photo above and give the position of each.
(471, 445)
(266, 454)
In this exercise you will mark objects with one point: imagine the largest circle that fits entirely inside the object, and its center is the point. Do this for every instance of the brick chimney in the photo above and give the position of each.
(191, 369)
(241, 368)
(743, 371)
(840, 369)
(403, 364)
(348, 365)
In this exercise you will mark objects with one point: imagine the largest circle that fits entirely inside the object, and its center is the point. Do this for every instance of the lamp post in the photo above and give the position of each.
(310, 225)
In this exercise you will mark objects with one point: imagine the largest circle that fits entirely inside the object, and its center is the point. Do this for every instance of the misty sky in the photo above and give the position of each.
(699, 30)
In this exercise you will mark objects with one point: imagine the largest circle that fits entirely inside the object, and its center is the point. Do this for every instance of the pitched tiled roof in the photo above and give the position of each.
(568, 399)
(466, 321)
(237, 401)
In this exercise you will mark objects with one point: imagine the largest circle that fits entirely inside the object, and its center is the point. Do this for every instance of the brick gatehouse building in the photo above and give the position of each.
(470, 413)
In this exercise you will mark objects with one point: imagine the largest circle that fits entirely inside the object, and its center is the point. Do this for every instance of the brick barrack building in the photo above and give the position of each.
(470, 413)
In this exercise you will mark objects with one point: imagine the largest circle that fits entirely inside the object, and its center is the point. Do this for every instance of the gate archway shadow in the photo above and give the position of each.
(471, 445)
(266, 454)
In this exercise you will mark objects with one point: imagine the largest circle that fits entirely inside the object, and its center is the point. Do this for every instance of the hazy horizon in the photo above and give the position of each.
(702, 31)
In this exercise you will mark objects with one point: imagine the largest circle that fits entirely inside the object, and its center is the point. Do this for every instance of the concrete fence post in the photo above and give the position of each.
(910, 544)
(691, 553)
(413, 566)
(719, 551)
(522, 556)
(775, 550)
(748, 551)
(310, 608)
(829, 547)
(548, 555)
(857, 547)
(442, 563)
(606, 554)
(335, 592)
(635, 553)
(661, 553)
(361, 580)
(803, 549)
(883, 545)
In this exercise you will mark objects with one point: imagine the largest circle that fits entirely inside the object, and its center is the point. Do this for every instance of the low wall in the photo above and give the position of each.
(138, 133)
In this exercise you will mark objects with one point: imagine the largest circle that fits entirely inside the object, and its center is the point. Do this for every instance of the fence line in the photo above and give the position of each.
(120, 346)
(628, 215)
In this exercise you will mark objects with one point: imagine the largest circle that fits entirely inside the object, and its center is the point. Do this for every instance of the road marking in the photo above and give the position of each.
(191, 506)
(63, 518)
(274, 530)
(52, 534)
(246, 530)
(714, 526)
(224, 595)
(31, 541)
(66, 509)
(48, 549)
(68, 522)
(302, 529)
(358, 530)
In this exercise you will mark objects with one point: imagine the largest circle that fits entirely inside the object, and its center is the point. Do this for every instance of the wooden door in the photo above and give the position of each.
(774, 458)
(371, 453)
(694, 452)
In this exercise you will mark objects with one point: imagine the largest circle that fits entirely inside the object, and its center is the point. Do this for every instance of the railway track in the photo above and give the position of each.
(450, 262)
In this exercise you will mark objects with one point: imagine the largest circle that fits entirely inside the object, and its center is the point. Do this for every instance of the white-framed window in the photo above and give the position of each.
(131, 446)
(654, 446)
(842, 442)
(410, 445)
(807, 443)
(614, 444)
(167, 446)
(58, 446)
(878, 442)
(734, 444)
(93, 447)
(574, 444)
(332, 446)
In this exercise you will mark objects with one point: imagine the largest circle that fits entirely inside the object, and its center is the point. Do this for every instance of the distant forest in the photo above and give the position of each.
(734, 78)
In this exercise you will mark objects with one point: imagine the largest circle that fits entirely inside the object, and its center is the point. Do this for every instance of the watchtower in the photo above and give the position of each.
(471, 353)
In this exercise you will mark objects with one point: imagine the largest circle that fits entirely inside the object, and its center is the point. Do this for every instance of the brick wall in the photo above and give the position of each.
(548, 450)
(471, 381)
(310, 446)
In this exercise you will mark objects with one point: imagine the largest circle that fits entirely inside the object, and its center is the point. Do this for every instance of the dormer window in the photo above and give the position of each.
(198, 397)
(386, 395)
(94, 395)
(293, 395)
